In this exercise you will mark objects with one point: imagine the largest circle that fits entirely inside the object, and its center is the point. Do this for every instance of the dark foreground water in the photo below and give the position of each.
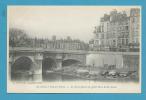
(56, 77)
(50, 77)
(60, 77)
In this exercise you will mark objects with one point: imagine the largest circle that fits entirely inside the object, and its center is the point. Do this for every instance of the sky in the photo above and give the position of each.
(78, 22)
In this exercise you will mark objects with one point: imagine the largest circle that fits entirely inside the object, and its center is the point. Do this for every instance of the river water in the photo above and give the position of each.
(96, 59)
(48, 77)
(54, 77)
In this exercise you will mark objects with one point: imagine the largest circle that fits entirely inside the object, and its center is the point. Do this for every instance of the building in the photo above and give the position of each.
(117, 31)
(65, 44)
(19, 38)
(101, 33)
(135, 27)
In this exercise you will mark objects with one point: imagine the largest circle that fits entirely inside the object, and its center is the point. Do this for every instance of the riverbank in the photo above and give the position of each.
(93, 74)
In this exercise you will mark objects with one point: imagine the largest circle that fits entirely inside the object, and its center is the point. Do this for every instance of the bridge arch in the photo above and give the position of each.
(68, 62)
(22, 65)
(13, 59)
(48, 64)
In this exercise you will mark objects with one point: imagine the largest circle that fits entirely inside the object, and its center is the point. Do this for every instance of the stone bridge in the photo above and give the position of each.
(39, 59)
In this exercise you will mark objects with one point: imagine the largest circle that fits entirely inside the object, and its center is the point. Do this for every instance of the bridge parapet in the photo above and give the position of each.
(42, 50)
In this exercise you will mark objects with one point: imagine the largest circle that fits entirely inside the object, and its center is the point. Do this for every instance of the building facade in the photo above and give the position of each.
(134, 26)
(65, 44)
(117, 31)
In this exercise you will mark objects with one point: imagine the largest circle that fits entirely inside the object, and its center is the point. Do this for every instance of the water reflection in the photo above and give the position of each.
(60, 77)
(55, 77)
(47, 77)
(25, 77)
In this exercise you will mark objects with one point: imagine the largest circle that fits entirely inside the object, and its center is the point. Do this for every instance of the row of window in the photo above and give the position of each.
(59, 45)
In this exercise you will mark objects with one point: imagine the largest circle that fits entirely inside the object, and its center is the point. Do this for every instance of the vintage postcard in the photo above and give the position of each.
(74, 49)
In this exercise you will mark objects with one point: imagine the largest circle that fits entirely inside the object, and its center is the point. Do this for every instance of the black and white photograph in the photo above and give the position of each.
(74, 49)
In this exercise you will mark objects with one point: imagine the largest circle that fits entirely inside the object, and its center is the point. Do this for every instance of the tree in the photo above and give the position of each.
(18, 37)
